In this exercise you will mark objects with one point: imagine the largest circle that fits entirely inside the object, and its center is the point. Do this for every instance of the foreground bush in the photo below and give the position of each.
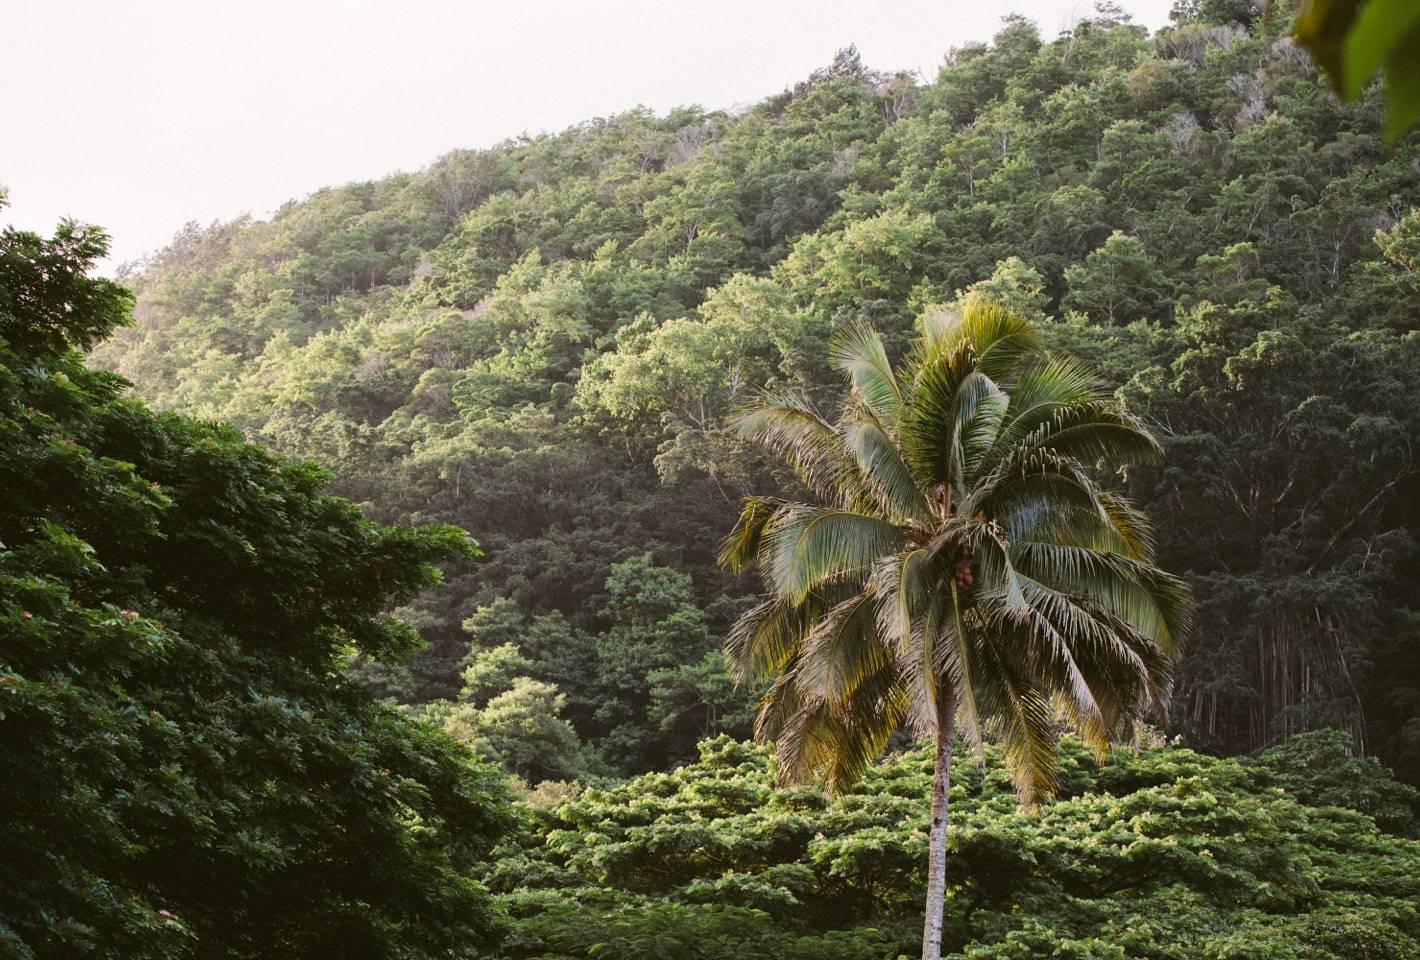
(1166, 854)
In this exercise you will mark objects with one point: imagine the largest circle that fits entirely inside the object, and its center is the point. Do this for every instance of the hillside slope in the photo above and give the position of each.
(541, 341)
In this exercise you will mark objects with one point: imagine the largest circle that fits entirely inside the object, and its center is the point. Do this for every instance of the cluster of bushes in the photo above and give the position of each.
(1165, 854)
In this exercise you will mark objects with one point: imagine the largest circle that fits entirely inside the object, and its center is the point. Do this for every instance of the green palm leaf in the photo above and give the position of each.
(804, 547)
(789, 426)
(857, 351)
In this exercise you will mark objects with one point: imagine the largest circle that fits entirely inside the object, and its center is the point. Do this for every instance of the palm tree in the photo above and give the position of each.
(963, 570)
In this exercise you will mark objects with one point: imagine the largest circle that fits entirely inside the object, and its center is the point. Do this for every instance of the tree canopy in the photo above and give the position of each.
(255, 707)
(188, 770)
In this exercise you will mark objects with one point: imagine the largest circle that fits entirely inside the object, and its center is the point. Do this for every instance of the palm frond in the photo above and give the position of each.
(841, 649)
(948, 389)
(909, 620)
(960, 669)
(1099, 433)
(788, 425)
(1099, 669)
(1127, 523)
(1048, 498)
(764, 639)
(976, 420)
(893, 487)
(857, 351)
(1150, 601)
(1018, 716)
(1069, 437)
(998, 337)
(1047, 632)
(834, 741)
(739, 549)
(804, 547)
(1040, 389)
(768, 636)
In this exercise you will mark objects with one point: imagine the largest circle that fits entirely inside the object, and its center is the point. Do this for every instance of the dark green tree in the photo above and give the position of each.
(653, 626)
(187, 772)
(1119, 282)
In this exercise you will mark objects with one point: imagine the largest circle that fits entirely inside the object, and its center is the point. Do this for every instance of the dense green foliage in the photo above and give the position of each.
(187, 770)
(547, 342)
(542, 341)
(1166, 854)
(1352, 39)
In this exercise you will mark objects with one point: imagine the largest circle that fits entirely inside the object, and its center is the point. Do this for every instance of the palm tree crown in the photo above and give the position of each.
(961, 556)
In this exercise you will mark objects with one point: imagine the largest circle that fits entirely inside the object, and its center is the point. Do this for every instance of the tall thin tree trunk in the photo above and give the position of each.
(937, 851)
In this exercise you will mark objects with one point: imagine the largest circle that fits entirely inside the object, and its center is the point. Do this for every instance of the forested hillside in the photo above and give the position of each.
(541, 341)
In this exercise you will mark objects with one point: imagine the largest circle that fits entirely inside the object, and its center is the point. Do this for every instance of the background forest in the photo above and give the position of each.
(540, 342)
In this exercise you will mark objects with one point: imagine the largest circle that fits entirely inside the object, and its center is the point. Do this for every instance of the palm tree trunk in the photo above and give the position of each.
(937, 850)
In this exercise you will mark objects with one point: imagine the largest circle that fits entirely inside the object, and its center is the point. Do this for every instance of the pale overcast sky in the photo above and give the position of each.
(142, 115)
